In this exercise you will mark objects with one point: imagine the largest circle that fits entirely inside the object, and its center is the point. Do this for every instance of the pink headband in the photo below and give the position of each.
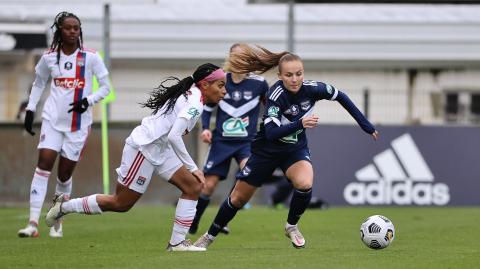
(217, 74)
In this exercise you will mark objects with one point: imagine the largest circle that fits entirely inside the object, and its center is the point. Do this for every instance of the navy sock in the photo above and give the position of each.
(225, 214)
(202, 204)
(300, 201)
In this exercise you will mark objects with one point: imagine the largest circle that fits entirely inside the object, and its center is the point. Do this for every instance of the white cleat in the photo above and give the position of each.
(57, 230)
(185, 245)
(30, 231)
(55, 212)
(204, 241)
(298, 241)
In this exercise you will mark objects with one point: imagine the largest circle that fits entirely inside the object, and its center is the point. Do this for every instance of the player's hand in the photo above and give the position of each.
(28, 123)
(310, 121)
(79, 106)
(375, 135)
(206, 136)
(198, 174)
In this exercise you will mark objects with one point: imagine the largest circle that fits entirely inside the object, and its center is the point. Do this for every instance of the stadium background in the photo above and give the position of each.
(405, 66)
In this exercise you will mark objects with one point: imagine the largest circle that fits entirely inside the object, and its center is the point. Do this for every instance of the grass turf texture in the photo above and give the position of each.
(426, 238)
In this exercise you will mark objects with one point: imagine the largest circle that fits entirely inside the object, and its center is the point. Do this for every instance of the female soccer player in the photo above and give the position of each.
(235, 127)
(157, 145)
(281, 141)
(66, 115)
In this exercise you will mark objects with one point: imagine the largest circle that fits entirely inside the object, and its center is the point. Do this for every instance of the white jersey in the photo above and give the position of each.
(71, 82)
(151, 137)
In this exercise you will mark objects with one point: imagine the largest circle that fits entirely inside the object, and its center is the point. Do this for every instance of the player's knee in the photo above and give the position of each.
(123, 206)
(238, 201)
(194, 190)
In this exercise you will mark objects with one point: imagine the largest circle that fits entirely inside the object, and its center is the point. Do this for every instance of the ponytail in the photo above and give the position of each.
(168, 95)
(253, 59)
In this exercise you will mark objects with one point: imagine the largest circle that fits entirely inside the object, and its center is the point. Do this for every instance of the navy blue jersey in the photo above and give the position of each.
(237, 113)
(286, 108)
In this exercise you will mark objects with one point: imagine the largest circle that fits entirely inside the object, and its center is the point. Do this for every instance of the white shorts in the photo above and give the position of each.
(69, 144)
(135, 171)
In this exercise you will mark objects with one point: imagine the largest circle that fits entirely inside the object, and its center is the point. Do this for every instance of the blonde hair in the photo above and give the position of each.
(256, 59)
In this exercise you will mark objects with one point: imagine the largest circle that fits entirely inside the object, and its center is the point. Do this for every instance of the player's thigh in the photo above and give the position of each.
(135, 172)
(242, 154)
(74, 143)
(49, 144)
(300, 174)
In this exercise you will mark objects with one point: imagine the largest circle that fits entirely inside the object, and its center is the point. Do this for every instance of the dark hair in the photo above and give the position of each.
(57, 35)
(257, 59)
(169, 94)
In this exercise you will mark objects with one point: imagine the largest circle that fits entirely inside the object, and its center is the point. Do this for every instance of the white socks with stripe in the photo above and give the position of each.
(184, 215)
(38, 190)
(85, 205)
(64, 187)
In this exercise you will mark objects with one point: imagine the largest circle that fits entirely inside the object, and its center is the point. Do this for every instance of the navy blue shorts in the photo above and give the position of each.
(260, 166)
(220, 155)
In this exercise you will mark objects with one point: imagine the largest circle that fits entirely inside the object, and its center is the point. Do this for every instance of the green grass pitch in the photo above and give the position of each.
(425, 238)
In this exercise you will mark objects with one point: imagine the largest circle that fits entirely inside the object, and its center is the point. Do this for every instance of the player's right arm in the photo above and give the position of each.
(41, 78)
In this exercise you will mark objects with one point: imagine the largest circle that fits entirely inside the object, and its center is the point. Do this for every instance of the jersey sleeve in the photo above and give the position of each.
(41, 77)
(99, 68)
(320, 90)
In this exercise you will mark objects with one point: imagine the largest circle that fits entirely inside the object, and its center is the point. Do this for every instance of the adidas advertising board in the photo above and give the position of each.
(424, 166)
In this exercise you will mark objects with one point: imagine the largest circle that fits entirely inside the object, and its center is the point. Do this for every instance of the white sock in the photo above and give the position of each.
(64, 187)
(85, 205)
(288, 225)
(183, 220)
(38, 190)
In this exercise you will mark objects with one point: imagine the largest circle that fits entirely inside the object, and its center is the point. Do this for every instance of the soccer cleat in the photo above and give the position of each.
(204, 241)
(185, 245)
(30, 231)
(55, 212)
(298, 241)
(56, 230)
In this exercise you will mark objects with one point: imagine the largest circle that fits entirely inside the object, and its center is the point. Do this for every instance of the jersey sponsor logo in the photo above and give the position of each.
(273, 111)
(305, 105)
(247, 95)
(235, 127)
(69, 83)
(68, 65)
(398, 175)
(236, 96)
(141, 180)
(193, 112)
(292, 138)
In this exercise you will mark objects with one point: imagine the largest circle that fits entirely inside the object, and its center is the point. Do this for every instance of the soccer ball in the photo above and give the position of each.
(377, 232)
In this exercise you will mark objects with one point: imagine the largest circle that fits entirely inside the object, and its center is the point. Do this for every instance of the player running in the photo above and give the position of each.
(157, 145)
(281, 141)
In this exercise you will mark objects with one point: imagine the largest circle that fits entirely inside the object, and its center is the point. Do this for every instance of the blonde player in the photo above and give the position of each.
(157, 145)
(66, 115)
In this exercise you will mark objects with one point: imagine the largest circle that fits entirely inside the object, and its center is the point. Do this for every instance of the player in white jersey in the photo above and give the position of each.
(157, 145)
(66, 116)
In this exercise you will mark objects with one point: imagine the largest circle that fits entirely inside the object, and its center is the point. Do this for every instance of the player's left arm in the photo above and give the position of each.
(101, 73)
(326, 91)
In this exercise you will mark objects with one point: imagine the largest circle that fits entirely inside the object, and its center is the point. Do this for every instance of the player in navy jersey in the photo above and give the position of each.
(281, 141)
(235, 127)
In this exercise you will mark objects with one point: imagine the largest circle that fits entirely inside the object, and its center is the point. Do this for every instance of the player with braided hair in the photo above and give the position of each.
(66, 116)
(157, 145)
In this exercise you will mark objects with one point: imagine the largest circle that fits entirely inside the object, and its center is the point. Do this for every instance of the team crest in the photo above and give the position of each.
(247, 95)
(236, 95)
(295, 110)
(42, 138)
(246, 171)
(209, 164)
(68, 66)
(329, 89)
(227, 96)
(305, 105)
(141, 180)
